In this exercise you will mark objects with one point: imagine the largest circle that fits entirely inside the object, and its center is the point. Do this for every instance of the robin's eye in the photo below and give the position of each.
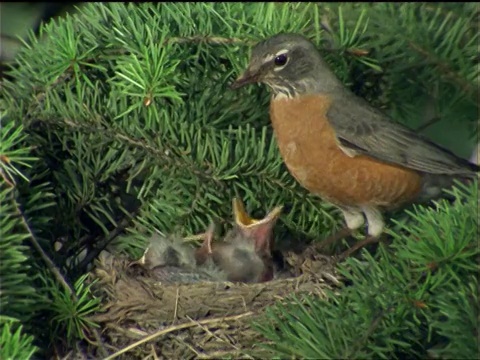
(281, 60)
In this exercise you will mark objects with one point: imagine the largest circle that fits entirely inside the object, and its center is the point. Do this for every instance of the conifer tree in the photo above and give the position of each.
(119, 121)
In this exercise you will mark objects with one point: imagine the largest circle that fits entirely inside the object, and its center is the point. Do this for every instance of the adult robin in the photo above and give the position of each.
(245, 254)
(341, 148)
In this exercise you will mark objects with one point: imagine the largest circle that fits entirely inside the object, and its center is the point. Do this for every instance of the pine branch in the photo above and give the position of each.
(446, 70)
(48, 262)
(101, 245)
(135, 128)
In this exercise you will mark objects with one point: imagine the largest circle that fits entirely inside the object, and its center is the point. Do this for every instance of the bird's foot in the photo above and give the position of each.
(358, 245)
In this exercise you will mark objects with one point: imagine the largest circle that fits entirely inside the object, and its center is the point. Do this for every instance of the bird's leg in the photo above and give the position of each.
(358, 245)
(340, 234)
(316, 247)
(354, 220)
(375, 230)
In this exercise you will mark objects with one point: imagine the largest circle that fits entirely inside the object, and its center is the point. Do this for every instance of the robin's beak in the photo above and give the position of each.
(248, 77)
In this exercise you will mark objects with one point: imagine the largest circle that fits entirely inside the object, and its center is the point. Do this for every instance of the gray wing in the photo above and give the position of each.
(364, 130)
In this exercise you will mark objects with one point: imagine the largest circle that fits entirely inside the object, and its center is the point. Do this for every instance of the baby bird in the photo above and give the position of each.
(245, 255)
(173, 261)
(166, 251)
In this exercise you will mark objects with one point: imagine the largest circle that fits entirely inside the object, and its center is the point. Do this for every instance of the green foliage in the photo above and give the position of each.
(448, 234)
(17, 294)
(9, 139)
(16, 290)
(419, 299)
(127, 117)
(14, 343)
(70, 312)
(428, 56)
(127, 109)
(457, 319)
(130, 119)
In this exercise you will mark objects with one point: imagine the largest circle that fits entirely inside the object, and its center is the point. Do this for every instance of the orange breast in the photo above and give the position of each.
(310, 150)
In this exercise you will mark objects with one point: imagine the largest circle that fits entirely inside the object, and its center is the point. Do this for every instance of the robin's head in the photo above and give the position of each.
(290, 65)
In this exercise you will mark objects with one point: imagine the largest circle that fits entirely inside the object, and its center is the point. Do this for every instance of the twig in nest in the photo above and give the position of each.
(154, 353)
(221, 354)
(176, 305)
(175, 328)
(192, 349)
(207, 330)
(98, 343)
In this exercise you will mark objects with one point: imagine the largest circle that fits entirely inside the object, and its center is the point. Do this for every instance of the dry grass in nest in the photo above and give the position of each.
(143, 318)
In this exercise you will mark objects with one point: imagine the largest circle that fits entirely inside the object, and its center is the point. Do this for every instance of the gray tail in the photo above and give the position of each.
(434, 186)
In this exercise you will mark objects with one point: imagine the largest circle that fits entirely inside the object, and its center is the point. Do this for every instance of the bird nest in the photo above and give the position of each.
(144, 318)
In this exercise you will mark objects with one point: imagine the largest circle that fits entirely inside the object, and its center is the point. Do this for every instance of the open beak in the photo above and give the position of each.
(248, 77)
(244, 220)
(259, 230)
